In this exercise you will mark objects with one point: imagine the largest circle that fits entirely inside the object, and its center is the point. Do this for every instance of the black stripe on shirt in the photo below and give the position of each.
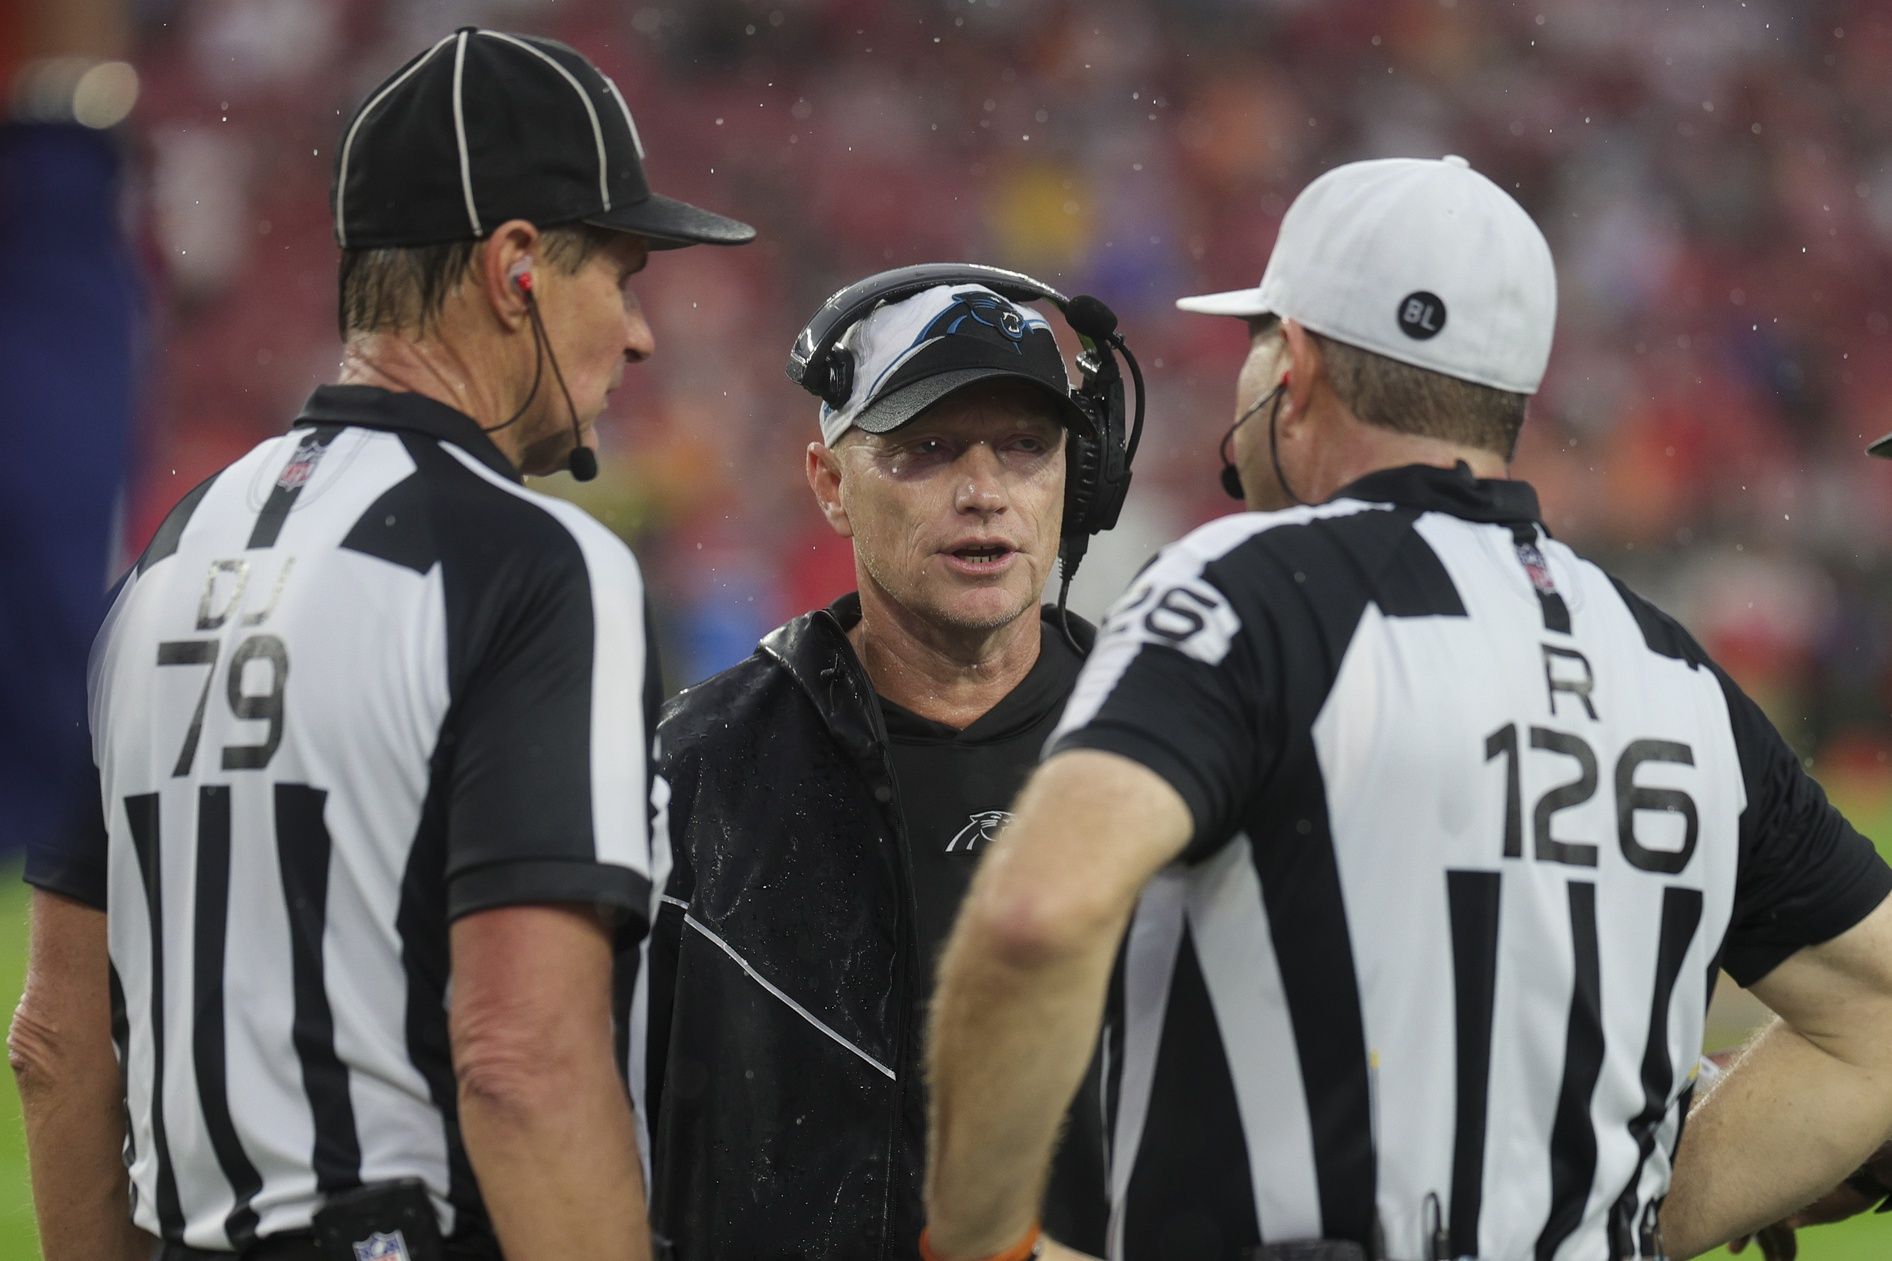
(121, 1039)
(421, 921)
(1307, 920)
(1572, 1136)
(283, 495)
(164, 543)
(397, 528)
(1681, 915)
(142, 817)
(210, 924)
(1473, 899)
(1207, 1200)
(303, 847)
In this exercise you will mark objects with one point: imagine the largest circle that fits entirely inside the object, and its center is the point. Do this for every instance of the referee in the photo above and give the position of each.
(371, 730)
(1429, 836)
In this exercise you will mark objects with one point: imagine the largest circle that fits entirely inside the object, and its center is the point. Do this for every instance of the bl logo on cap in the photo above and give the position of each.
(1421, 315)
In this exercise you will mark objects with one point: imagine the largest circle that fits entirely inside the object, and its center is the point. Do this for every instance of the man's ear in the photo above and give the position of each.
(823, 467)
(500, 261)
(1305, 375)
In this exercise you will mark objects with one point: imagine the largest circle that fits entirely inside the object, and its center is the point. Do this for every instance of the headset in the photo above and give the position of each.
(1098, 453)
(583, 461)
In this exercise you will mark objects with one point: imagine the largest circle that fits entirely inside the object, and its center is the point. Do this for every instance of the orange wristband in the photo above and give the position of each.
(1024, 1250)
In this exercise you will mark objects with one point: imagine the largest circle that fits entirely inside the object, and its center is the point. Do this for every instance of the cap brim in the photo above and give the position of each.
(1882, 448)
(1242, 302)
(897, 408)
(671, 224)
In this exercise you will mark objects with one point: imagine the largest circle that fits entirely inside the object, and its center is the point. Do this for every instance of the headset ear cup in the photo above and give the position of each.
(839, 386)
(1083, 466)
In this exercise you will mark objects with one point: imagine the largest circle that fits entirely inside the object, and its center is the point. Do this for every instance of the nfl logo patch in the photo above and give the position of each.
(301, 466)
(380, 1247)
(1537, 568)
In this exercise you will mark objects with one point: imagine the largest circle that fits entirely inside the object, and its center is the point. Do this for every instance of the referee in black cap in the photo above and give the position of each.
(328, 971)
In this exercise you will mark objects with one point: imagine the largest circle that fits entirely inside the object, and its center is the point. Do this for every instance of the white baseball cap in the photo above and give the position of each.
(910, 354)
(1424, 261)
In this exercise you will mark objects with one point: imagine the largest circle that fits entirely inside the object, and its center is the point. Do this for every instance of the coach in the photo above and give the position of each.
(833, 793)
(370, 723)
(1429, 835)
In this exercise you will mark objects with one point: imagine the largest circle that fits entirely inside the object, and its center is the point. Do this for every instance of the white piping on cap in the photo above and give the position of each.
(584, 98)
(459, 132)
(637, 141)
(348, 141)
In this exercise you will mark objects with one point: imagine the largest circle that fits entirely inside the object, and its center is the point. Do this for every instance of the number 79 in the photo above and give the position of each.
(265, 706)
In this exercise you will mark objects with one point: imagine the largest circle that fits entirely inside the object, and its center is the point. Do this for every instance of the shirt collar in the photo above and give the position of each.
(1453, 491)
(371, 407)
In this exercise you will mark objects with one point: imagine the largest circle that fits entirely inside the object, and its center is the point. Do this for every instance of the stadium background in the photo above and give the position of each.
(1715, 179)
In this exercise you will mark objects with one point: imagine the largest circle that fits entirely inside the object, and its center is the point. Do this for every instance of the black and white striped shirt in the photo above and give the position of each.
(1474, 828)
(361, 683)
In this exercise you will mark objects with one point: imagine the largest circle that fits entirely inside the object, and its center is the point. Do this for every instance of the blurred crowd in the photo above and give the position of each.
(1715, 179)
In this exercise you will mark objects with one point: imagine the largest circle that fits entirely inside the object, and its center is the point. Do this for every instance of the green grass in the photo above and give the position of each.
(1867, 1238)
(19, 1241)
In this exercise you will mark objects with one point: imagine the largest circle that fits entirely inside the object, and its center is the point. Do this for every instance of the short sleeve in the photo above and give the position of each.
(73, 862)
(549, 745)
(1172, 684)
(1805, 874)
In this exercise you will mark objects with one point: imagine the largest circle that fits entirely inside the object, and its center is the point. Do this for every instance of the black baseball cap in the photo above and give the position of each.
(910, 354)
(484, 127)
(1881, 448)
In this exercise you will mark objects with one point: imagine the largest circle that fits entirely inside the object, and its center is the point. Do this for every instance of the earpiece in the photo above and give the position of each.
(583, 462)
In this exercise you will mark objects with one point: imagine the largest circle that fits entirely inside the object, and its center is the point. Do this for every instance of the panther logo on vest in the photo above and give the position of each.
(984, 827)
(301, 466)
(380, 1247)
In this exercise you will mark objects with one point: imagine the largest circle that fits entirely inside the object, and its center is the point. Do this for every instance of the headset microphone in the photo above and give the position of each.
(583, 462)
(1232, 476)
(1089, 317)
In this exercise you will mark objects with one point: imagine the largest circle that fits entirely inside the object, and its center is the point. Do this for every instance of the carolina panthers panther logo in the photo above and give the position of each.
(985, 309)
(983, 829)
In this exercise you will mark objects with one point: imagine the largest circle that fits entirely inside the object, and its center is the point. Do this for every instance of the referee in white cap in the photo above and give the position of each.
(328, 974)
(1429, 836)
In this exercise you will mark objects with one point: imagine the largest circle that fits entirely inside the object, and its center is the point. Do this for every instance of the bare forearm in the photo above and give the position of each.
(1011, 1040)
(1787, 1123)
(60, 1050)
(75, 1137)
(556, 1156)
